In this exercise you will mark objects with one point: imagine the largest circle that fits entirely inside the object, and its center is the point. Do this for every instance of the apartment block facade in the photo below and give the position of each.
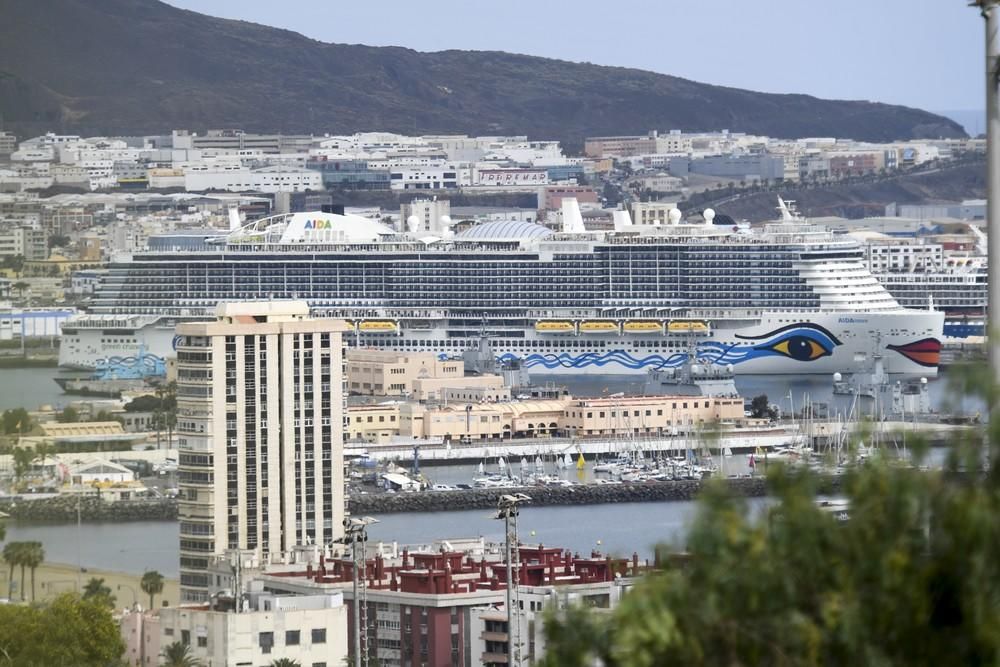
(260, 428)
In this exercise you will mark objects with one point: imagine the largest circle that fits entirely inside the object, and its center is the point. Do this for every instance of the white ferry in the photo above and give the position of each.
(790, 298)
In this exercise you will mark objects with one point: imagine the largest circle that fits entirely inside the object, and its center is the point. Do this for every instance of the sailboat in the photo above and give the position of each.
(580, 463)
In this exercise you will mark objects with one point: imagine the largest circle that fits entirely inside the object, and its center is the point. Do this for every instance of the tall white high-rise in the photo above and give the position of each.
(260, 434)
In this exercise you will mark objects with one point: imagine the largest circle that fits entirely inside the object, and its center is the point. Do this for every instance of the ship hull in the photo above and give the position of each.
(790, 343)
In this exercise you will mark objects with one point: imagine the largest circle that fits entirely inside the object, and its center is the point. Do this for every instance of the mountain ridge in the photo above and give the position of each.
(144, 67)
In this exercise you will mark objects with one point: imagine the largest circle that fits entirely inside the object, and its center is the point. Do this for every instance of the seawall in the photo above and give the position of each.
(64, 509)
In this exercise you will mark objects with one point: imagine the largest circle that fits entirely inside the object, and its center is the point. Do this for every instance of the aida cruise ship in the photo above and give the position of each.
(789, 298)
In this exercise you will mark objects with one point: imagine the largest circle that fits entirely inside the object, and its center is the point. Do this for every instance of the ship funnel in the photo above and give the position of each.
(572, 219)
(622, 220)
(234, 219)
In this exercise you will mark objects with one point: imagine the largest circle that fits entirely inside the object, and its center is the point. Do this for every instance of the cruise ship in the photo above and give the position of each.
(789, 298)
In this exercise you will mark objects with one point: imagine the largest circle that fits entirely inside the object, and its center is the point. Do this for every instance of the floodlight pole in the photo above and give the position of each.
(990, 10)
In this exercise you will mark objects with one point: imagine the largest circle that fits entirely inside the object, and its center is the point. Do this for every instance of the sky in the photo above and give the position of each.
(922, 53)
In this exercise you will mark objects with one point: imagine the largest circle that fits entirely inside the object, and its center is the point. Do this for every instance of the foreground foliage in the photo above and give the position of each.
(911, 578)
(66, 631)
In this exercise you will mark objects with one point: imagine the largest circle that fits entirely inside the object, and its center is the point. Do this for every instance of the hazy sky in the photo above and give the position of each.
(923, 53)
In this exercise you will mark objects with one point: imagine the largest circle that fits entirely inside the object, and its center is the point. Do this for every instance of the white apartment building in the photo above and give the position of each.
(25, 241)
(426, 177)
(309, 629)
(260, 427)
(651, 212)
(426, 215)
(233, 177)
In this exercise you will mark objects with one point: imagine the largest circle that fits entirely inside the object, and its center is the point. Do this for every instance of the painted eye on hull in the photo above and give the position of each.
(801, 348)
(802, 342)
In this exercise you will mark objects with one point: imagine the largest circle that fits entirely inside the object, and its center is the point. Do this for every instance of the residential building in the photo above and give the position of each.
(550, 196)
(260, 434)
(430, 177)
(349, 174)
(232, 178)
(392, 373)
(308, 629)
(646, 414)
(8, 144)
(140, 631)
(429, 604)
(741, 167)
(649, 213)
(28, 242)
(622, 146)
(372, 423)
(426, 215)
(238, 140)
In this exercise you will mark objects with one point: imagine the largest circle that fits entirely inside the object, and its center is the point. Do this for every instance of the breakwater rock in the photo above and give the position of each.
(64, 509)
(589, 494)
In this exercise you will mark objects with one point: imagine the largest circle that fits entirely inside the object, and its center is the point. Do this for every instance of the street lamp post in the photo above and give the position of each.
(507, 510)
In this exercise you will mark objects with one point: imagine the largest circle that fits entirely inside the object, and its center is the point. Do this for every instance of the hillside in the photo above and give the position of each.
(142, 66)
(949, 183)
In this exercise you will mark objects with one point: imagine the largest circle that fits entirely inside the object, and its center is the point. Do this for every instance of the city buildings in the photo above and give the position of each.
(260, 423)
(392, 373)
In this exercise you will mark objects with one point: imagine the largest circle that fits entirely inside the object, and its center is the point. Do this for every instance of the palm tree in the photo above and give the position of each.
(179, 655)
(11, 556)
(96, 590)
(285, 662)
(34, 555)
(152, 585)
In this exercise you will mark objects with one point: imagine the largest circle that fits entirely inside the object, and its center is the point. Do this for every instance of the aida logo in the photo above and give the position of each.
(318, 224)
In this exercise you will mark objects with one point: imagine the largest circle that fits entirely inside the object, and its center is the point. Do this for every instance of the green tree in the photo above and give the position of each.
(910, 577)
(23, 458)
(760, 408)
(20, 286)
(16, 421)
(285, 662)
(33, 556)
(66, 631)
(152, 585)
(178, 654)
(95, 589)
(14, 262)
(69, 415)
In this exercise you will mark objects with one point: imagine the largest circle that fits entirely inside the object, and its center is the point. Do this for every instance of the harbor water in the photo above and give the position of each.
(618, 529)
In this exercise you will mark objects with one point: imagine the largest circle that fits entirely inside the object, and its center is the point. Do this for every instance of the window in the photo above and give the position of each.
(291, 638)
(186, 637)
(169, 632)
(203, 642)
(266, 641)
(319, 636)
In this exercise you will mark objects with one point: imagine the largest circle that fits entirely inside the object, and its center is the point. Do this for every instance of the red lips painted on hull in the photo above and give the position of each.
(926, 352)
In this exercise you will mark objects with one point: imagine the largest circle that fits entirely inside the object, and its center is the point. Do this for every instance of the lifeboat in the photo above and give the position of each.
(687, 326)
(643, 326)
(598, 326)
(378, 326)
(554, 326)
